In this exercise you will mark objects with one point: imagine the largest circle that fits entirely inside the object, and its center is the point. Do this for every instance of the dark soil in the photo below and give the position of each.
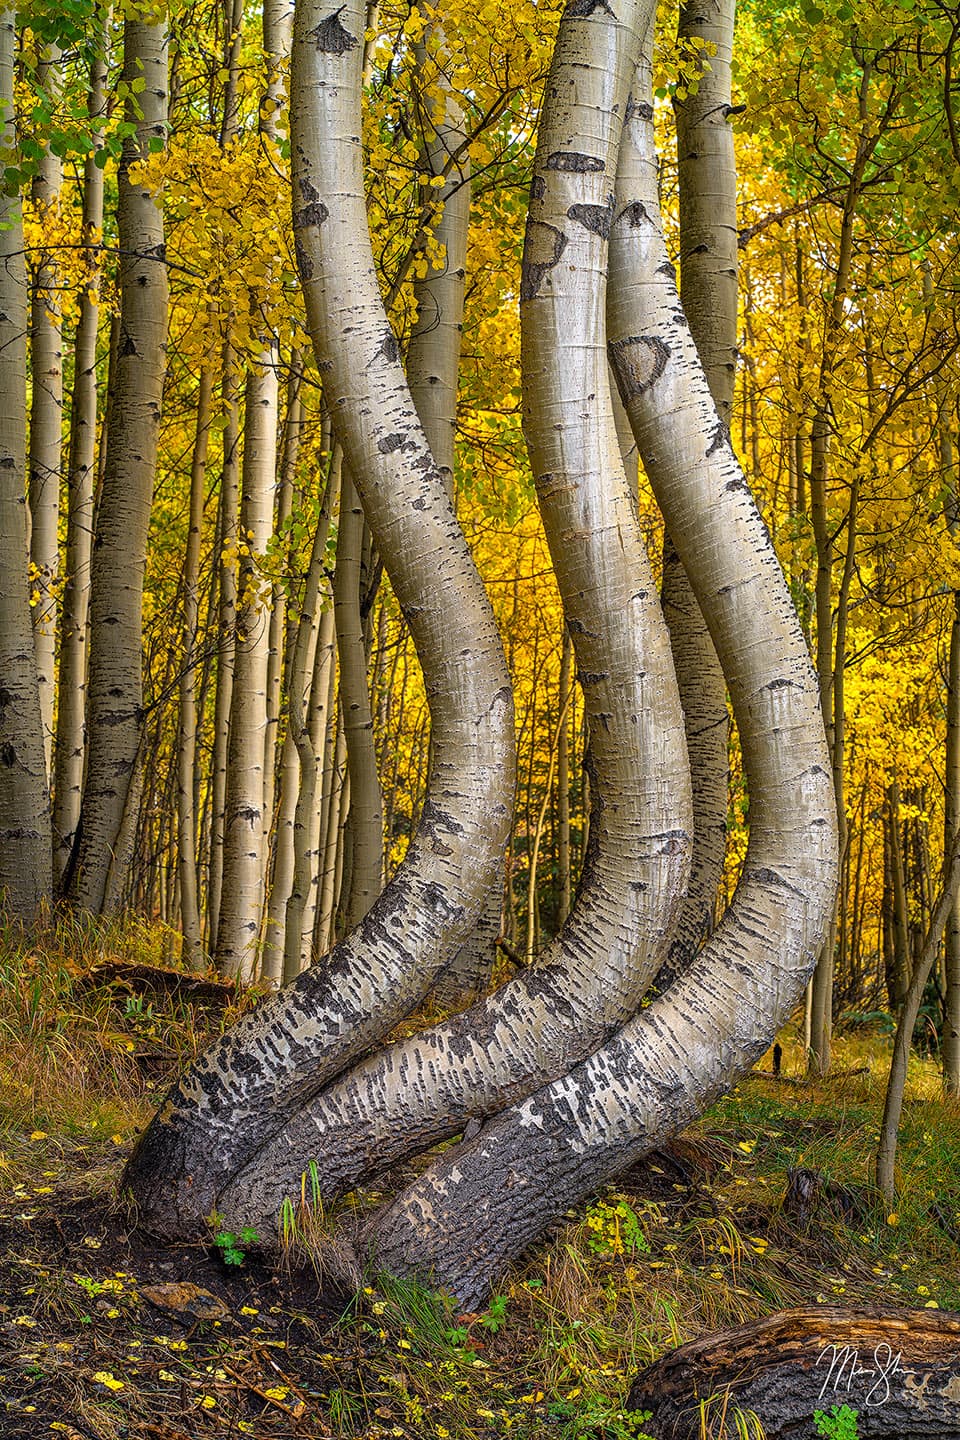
(83, 1353)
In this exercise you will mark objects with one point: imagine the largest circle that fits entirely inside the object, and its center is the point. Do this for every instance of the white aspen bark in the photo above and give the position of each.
(565, 701)
(433, 367)
(708, 290)
(244, 824)
(486, 1199)
(187, 715)
(46, 417)
(336, 794)
(228, 525)
(366, 801)
(246, 821)
(25, 857)
(310, 700)
(116, 686)
(276, 1058)
(433, 354)
(289, 453)
(592, 977)
(71, 689)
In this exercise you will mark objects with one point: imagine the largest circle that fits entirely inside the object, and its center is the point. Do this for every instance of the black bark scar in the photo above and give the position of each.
(596, 218)
(572, 160)
(542, 248)
(638, 361)
(331, 37)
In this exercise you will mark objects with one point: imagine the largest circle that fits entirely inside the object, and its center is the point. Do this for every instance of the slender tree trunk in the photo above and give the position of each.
(484, 1200)
(565, 701)
(822, 1001)
(70, 739)
(366, 801)
(951, 822)
(898, 892)
(46, 414)
(228, 523)
(244, 824)
(116, 685)
(893, 1106)
(293, 421)
(25, 855)
(309, 692)
(187, 719)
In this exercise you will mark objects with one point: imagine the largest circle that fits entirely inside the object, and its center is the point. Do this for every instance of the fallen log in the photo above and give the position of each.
(899, 1370)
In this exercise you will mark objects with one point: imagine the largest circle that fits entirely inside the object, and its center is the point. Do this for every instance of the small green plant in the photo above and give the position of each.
(614, 1228)
(839, 1423)
(495, 1316)
(231, 1245)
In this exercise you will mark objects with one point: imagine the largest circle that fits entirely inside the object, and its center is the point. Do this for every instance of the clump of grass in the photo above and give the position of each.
(70, 1048)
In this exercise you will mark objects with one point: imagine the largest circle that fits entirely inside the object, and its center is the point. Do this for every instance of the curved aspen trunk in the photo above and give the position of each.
(70, 739)
(708, 289)
(116, 590)
(46, 417)
(433, 367)
(276, 1058)
(590, 980)
(366, 801)
(25, 857)
(485, 1200)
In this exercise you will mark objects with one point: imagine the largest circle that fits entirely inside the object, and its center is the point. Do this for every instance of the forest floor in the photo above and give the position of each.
(104, 1335)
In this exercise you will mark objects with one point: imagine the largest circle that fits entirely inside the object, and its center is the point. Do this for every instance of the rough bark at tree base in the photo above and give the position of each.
(898, 1369)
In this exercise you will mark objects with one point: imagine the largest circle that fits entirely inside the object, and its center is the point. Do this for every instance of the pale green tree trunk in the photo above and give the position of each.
(115, 697)
(25, 855)
(484, 1200)
(71, 688)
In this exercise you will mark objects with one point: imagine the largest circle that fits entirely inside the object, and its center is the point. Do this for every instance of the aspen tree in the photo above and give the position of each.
(71, 682)
(593, 976)
(115, 697)
(708, 291)
(220, 1112)
(46, 413)
(485, 1199)
(25, 859)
